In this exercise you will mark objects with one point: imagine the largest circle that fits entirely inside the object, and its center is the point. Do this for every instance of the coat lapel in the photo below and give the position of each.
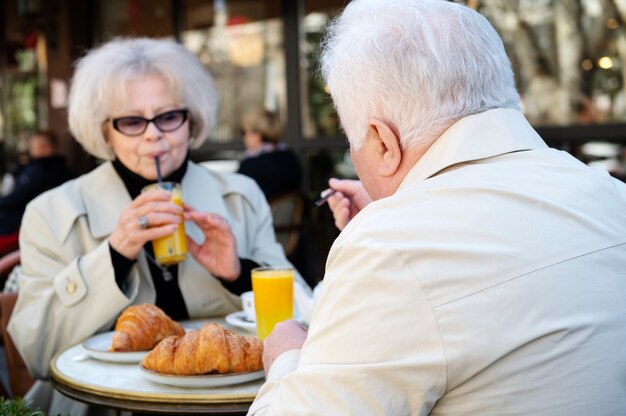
(202, 192)
(104, 196)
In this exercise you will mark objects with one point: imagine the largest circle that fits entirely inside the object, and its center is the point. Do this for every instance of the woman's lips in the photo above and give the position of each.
(156, 155)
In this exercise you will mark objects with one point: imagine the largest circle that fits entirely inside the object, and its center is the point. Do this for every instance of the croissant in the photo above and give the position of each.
(141, 327)
(208, 349)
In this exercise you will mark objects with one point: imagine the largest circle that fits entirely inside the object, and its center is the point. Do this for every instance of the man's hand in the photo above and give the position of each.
(287, 335)
(349, 199)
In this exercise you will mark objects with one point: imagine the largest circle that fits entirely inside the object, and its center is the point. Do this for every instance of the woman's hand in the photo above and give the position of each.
(162, 217)
(350, 198)
(218, 252)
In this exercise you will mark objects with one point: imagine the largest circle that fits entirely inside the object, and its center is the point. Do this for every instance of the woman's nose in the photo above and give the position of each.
(152, 132)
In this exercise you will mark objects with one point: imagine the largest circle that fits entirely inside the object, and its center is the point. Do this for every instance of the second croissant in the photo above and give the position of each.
(210, 349)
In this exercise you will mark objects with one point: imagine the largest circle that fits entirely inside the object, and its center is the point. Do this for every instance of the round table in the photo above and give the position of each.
(124, 387)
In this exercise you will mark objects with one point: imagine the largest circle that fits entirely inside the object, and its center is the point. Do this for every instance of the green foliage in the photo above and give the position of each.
(17, 407)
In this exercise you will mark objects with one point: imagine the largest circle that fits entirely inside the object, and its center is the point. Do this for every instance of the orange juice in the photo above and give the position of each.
(171, 249)
(273, 297)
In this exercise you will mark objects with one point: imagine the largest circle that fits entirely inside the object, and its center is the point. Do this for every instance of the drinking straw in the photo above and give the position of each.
(158, 168)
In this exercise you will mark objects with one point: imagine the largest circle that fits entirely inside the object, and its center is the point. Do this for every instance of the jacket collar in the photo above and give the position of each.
(475, 137)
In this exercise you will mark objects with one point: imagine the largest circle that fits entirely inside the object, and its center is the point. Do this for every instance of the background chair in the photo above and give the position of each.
(19, 378)
(7, 263)
(288, 213)
(9, 243)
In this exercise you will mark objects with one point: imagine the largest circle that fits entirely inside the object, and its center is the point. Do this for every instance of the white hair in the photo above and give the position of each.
(101, 76)
(415, 64)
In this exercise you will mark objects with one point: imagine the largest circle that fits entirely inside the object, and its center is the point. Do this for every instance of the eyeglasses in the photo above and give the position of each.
(137, 125)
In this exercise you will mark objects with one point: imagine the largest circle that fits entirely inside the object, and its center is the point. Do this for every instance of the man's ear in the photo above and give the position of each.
(390, 151)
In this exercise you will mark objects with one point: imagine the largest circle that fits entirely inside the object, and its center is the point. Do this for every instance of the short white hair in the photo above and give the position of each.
(415, 64)
(101, 76)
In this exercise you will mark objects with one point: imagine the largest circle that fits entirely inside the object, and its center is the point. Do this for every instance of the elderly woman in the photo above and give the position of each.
(86, 246)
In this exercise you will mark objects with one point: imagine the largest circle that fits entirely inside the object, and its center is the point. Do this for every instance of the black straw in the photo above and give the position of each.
(158, 167)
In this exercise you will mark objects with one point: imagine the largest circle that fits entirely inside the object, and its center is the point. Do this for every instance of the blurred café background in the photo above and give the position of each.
(569, 57)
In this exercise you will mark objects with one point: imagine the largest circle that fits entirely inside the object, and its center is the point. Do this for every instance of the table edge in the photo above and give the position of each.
(191, 398)
(239, 409)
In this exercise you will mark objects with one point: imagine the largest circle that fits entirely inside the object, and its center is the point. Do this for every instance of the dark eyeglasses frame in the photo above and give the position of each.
(154, 120)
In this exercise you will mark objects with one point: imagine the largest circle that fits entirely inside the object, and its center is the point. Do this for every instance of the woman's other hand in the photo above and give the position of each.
(350, 198)
(218, 252)
(159, 215)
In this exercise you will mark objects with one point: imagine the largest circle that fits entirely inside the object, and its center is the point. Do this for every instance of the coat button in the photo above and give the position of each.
(71, 287)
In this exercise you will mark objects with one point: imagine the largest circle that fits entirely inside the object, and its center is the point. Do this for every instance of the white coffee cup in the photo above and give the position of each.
(247, 301)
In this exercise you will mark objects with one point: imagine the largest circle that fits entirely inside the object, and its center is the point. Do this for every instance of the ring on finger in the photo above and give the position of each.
(143, 222)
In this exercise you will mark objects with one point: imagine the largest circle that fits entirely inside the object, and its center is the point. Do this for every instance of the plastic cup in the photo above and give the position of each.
(171, 249)
(273, 297)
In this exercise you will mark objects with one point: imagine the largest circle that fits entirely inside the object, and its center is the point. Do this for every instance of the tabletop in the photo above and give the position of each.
(124, 387)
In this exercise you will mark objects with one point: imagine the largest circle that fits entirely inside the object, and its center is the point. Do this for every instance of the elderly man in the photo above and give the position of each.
(481, 272)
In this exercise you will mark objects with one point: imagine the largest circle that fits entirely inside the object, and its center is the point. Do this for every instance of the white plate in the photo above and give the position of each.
(239, 320)
(98, 347)
(208, 380)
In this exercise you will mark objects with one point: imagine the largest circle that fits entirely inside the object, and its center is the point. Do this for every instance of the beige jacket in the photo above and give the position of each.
(491, 283)
(67, 288)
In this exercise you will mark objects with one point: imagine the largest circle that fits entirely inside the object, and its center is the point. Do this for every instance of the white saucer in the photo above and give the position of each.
(208, 380)
(239, 320)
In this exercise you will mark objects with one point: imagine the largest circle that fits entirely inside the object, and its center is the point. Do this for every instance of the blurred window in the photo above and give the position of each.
(22, 96)
(241, 43)
(136, 18)
(319, 118)
(568, 56)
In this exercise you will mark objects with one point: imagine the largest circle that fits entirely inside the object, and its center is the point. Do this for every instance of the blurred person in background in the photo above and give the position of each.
(478, 271)
(44, 170)
(273, 166)
(87, 246)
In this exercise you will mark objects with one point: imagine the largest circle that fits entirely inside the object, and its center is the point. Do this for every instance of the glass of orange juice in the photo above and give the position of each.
(273, 297)
(171, 249)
